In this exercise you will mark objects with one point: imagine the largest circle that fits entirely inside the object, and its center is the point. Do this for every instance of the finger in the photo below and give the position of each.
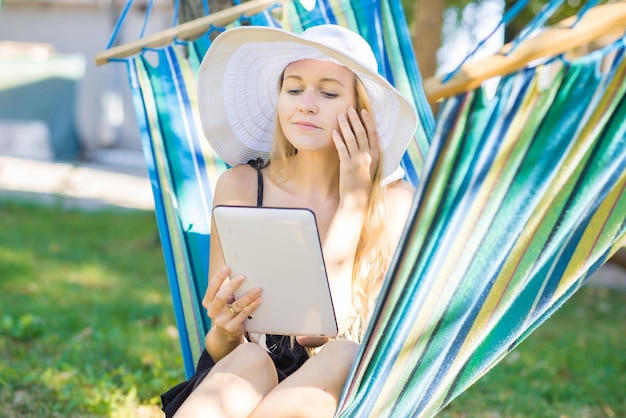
(215, 284)
(360, 134)
(340, 145)
(246, 310)
(235, 321)
(225, 312)
(230, 299)
(372, 130)
(373, 138)
(244, 301)
(226, 293)
(347, 134)
(221, 299)
(249, 309)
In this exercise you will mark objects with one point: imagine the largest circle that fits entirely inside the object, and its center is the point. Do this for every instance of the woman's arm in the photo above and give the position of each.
(358, 148)
(401, 195)
(236, 186)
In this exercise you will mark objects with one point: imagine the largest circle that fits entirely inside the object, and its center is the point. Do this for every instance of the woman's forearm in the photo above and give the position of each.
(339, 250)
(342, 237)
(218, 346)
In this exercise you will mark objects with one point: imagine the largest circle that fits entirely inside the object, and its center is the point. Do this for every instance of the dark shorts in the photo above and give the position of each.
(286, 359)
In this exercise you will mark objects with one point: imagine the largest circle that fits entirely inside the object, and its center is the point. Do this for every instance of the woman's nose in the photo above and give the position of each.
(307, 102)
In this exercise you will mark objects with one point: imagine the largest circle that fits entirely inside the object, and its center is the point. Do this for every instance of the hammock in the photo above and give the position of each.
(183, 169)
(520, 199)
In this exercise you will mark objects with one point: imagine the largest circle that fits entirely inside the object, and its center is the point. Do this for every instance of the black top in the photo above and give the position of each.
(259, 164)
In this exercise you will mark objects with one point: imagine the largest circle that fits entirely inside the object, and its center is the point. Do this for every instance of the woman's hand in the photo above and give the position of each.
(358, 146)
(357, 143)
(227, 314)
(307, 341)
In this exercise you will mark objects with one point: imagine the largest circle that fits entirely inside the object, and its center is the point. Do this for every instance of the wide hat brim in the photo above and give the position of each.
(238, 85)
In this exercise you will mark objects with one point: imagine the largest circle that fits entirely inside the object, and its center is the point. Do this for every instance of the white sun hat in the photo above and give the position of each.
(238, 86)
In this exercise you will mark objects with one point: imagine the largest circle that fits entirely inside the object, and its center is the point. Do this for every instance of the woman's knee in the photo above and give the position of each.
(339, 354)
(234, 386)
(315, 388)
(334, 362)
(246, 359)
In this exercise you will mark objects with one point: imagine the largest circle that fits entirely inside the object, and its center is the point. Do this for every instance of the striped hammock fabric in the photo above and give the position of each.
(520, 198)
(182, 172)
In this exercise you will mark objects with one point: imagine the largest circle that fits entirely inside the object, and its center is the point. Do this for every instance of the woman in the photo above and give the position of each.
(334, 131)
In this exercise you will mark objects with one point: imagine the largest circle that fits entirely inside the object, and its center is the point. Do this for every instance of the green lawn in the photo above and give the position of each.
(573, 366)
(87, 329)
(86, 321)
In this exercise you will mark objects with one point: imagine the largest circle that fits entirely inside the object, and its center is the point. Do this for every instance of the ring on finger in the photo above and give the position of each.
(231, 310)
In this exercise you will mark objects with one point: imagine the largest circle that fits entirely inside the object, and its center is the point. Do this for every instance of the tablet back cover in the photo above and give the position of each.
(279, 250)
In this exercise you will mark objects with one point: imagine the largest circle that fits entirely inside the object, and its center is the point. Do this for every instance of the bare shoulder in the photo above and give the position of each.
(237, 186)
(401, 195)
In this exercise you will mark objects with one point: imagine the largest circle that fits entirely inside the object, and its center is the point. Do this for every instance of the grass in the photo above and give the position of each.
(86, 323)
(87, 329)
(573, 366)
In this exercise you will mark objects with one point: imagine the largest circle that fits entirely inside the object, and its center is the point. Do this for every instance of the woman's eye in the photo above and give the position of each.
(294, 91)
(329, 94)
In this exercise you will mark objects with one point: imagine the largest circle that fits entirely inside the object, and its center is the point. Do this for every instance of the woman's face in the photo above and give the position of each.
(313, 93)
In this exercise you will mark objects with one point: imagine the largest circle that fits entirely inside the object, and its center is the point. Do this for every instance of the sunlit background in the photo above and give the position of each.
(55, 103)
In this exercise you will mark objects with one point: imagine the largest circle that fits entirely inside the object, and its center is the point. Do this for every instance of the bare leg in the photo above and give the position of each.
(313, 390)
(234, 387)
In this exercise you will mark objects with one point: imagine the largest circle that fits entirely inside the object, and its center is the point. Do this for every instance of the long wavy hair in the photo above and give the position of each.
(372, 259)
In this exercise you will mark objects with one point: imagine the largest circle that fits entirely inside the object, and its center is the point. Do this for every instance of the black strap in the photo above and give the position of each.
(258, 164)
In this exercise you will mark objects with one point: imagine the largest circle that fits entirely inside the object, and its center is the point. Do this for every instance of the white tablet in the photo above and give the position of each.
(279, 250)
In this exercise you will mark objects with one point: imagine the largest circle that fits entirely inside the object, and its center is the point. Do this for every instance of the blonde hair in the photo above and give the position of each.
(372, 259)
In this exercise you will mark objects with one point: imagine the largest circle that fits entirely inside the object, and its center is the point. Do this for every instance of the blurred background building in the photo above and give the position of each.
(55, 103)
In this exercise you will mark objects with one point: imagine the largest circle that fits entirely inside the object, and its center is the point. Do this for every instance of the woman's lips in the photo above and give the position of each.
(306, 125)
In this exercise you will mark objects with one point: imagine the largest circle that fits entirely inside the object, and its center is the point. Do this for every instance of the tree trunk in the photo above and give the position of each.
(193, 9)
(426, 36)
